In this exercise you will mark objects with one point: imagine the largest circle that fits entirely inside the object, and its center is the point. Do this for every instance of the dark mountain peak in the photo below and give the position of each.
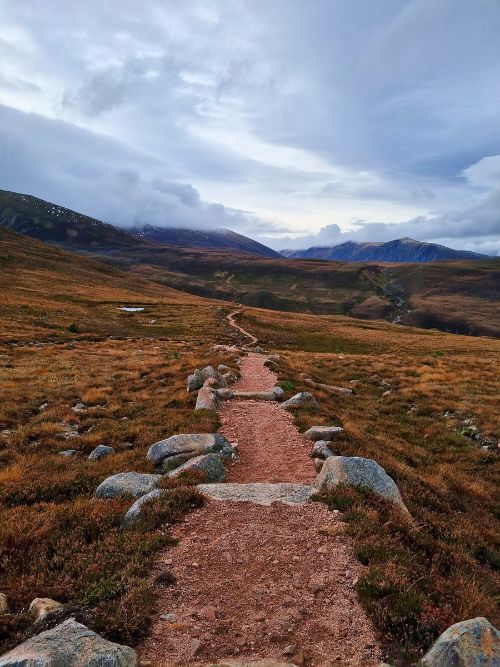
(397, 250)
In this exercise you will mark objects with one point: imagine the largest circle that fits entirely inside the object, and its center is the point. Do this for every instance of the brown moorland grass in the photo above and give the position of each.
(420, 579)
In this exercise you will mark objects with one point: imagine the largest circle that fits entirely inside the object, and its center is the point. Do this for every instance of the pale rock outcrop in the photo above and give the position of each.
(357, 471)
(322, 432)
(127, 484)
(69, 644)
(300, 399)
(277, 391)
(472, 643)
(259, 493)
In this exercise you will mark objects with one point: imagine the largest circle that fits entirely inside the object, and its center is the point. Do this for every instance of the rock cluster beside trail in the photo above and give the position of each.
(358, 472)
(471, 643)
(69, 644)
(199, 377)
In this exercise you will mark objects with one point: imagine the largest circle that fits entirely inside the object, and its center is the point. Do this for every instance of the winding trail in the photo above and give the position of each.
(260, 582)
(232, 322)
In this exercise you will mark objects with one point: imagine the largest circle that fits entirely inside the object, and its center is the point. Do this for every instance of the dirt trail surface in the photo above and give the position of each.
(255, 581)
(232, 322)
(270, 448)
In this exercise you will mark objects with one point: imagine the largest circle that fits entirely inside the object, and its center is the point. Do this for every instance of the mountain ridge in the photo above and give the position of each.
(397, 250)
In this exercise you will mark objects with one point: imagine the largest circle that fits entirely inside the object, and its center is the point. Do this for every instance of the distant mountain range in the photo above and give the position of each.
(195, 238)
(61, 226)
(399, 250)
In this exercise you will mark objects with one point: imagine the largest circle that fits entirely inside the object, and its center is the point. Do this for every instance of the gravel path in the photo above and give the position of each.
(256, 581)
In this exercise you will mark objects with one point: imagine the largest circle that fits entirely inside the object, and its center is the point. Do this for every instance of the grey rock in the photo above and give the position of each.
(210, 465)
(222, 368)
(224, 394)
(207, 399)
(69, 644)
(357, 471)
(322, 432)
(300, 399)
(133, 515)
(127, 484)
(230, 377)
(277, 391)
(259, 493)
(188, 445)
(70, 452)
(79, 407)
(472, 643)
(199, 377)
(321, 450)
(256, 395)
(318, 464)
(100, 452)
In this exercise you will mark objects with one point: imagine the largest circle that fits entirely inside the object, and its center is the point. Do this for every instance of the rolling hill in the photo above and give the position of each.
(399, 250)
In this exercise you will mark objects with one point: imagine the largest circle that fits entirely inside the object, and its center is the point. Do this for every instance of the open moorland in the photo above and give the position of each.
(76, 371)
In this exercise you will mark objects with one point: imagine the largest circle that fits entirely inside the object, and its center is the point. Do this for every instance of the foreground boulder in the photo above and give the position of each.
(300, 399)
(127, 484)
(179, 448)
(322, 432)
(42, 607)
(133, 515)
(472, 643)
(209, 465)
(357, 471)
(199, 377)
(100, 452)
(69, 644)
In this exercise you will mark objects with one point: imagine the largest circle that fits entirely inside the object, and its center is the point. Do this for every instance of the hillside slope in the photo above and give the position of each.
(48, 292)
(399, 250)
(197, 238)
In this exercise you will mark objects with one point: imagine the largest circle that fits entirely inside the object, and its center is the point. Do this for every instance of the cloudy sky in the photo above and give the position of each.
(335, 119)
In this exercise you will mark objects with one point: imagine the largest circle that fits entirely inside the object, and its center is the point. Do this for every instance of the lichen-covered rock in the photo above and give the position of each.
(322, 432)
(321, 450)
(133, 515)
(472, 643)
(69, 644)
(100, 452)
(133, 484)
(42, 607)
(210, 465)
(300, 399)
(199, 377)
(357, 471)
(188, 445)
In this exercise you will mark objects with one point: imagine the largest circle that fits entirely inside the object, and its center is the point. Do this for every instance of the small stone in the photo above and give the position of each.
(42, 607)
(167, 617)
(79, 407)
(289, 650)
(69, 452)
(209, 613)
(323, 549)
(194, 646)
(4, 604)
(100, 452)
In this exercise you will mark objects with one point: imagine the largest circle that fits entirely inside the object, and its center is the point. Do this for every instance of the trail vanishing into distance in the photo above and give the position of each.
(261, 572)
